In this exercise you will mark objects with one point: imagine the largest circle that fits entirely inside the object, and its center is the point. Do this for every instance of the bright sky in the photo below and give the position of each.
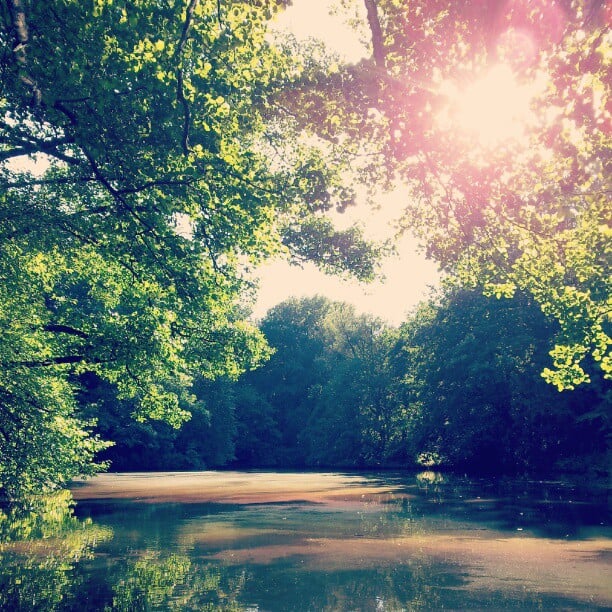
(408, 276)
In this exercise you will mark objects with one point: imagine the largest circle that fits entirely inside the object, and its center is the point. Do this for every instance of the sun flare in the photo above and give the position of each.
(494, 109)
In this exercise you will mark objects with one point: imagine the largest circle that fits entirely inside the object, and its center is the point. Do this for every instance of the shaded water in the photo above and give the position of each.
(279, 541)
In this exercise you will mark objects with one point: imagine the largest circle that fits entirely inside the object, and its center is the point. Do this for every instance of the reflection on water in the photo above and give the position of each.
(41, 544)
(266, 541)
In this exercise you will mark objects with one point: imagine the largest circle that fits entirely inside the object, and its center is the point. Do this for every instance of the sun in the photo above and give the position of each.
(494, 110)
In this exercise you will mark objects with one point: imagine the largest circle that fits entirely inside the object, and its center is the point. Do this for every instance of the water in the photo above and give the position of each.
(314, 541)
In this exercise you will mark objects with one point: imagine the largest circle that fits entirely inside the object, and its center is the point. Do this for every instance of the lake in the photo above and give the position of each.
(273, 541)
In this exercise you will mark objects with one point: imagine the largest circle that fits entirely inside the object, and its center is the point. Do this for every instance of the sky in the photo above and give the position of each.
(408, 276)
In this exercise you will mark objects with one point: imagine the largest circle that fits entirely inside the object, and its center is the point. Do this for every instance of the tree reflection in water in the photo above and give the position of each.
(423, 542)
(41, 543)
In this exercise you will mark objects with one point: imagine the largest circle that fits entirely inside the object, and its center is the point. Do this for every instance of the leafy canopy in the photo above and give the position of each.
(141, 175)
(495, 119)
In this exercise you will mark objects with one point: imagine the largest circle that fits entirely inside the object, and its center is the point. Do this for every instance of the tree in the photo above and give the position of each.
(206, 440)
(473, 368)
(524, 210)
(157, 181)
(283, 386)
(258, 438)
(359, 417)
(328, 396)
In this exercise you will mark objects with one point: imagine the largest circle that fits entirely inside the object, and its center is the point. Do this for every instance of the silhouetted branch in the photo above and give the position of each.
(378, 47)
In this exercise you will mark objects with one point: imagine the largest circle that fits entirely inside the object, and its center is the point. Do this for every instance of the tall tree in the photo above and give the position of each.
(359, 419)
(495, 118)
(329, 395)
(295, 331)
(478, 400)
(158, 178)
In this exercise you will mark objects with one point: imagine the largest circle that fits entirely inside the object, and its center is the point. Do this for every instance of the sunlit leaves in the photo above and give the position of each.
(528, 212)
(124, 249)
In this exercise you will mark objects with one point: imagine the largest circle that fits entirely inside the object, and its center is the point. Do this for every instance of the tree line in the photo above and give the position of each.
(457, 386)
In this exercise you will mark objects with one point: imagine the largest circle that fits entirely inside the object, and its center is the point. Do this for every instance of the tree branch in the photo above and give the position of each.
(180, 94)
(68, 180)
(28, 144)
(43, 363)
(178, 182)
(378, 47)
(22, 38)
(65, 329)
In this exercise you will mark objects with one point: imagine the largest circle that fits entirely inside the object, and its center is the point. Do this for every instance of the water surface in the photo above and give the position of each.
(320, 541)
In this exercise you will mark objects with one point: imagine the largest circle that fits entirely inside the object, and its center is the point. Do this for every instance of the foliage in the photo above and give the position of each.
(361, 390)
(282, 387)
(142, 174)
(258, 437)
(472, 365)
(527, 210)
(205, 441)
(326, 396)
(457, 385)
(41, 440)
(152, 153)
(41, 542)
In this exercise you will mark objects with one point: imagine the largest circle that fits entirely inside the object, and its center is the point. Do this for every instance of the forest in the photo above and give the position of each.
(457, 386)
(153, 154)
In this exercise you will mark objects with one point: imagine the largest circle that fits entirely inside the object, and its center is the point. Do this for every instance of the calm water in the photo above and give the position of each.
(275, 541)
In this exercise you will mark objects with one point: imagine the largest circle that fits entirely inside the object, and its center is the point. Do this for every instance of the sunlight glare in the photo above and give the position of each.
(494, 109)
